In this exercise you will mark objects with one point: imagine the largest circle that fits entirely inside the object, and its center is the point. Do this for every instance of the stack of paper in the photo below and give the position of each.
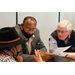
(60, 49)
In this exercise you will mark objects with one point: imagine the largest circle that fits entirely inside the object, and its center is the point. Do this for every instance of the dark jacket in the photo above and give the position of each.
(36, 44)
(60, 43)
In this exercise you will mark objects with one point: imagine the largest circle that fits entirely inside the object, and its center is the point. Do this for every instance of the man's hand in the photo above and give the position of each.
(46, 56)
(71, 56)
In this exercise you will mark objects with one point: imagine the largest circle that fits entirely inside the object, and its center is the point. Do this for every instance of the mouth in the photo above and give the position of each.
(60, 37)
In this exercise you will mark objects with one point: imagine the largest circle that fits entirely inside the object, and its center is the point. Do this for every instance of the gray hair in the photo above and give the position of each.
(65, 23)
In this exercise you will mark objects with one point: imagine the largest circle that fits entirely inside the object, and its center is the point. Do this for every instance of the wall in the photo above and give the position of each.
(7, 19)
(70, 16)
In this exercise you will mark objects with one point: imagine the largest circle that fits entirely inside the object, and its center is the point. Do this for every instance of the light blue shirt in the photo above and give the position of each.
(53, 46)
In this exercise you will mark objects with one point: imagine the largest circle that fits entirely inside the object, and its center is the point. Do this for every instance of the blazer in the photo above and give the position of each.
(36, 44)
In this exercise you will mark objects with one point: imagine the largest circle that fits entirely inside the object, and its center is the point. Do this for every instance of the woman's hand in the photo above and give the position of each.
(37, 57)
(19, 59)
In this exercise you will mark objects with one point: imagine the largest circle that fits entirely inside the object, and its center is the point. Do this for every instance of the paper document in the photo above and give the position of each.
(60, 49)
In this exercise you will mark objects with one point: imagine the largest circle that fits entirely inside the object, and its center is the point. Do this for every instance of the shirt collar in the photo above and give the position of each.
(66, 41)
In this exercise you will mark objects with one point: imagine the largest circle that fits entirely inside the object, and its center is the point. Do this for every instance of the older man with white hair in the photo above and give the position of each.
(62, 37)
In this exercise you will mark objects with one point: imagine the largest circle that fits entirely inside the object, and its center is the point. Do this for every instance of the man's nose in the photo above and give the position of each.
(30, 32)
(59, 33)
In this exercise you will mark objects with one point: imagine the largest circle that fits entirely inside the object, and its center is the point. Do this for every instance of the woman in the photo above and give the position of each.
(10, 46)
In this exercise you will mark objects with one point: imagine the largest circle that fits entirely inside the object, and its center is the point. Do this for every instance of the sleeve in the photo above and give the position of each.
(53, 46)
(6, 58)
(26, 57)
(39, 44)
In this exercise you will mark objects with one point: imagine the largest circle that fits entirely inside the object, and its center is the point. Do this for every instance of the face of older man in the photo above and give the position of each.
(29, 26)
(62, 33)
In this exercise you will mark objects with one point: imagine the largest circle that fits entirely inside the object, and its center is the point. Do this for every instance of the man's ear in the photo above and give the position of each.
(70, 31)
(22, 26)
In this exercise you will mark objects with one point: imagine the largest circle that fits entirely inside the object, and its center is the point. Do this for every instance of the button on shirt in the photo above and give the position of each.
(29, 43)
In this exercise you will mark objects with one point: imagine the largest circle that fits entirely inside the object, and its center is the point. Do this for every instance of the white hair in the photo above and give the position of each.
(65, 23)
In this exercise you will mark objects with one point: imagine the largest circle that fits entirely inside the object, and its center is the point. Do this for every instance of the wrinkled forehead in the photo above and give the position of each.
(62, 28)
(30, 22)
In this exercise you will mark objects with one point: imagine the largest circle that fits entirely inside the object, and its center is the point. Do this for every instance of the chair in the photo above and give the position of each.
(49, 42)
(49, 39)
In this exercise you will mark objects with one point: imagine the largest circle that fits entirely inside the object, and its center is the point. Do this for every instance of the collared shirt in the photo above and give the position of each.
(66, 41)
(29, 43)
(53, 46)
(6, 58)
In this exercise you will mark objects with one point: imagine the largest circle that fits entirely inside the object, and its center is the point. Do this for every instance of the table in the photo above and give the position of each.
(60, 59)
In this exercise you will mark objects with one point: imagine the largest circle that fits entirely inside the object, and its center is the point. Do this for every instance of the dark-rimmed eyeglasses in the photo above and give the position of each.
(28, 29)
(61, 31)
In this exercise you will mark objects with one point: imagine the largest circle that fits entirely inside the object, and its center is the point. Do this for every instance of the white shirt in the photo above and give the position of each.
(29, 43)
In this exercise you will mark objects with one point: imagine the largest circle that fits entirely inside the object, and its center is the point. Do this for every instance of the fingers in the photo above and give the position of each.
(40, 51)
(37, 53)
(45, 56)
(14, 49)
(73, 56)
(72, 61)
(37, 56)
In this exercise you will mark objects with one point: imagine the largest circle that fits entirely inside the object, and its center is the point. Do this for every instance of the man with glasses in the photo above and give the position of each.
(28, 31)
(62, 37)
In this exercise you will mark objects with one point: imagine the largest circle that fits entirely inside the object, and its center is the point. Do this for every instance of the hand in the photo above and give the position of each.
(46, 56)
(71, 56)
(37, 57)
(72, 61)
(19, 59)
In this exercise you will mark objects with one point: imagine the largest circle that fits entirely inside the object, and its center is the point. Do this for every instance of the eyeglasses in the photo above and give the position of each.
(62, 31)
(28, 29)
